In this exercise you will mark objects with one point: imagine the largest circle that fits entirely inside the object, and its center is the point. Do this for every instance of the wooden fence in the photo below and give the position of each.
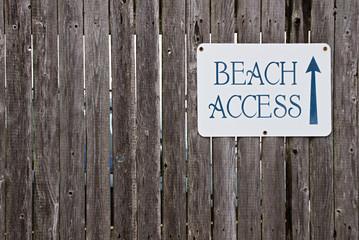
(168, 182)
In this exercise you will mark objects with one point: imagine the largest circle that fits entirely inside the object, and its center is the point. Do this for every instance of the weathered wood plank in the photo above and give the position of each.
(297, 194)
(46, 120)
(273, 190)
(148, 120)
(19, 140)
(346, 120)
(173, 119)
(249, 214)
(321, 149)
(98, 209)
(223, 149)
(198, 154)
(72, 183)
(2, 122)
(297, 161)
(298, 19)
(248, 176)
(124, 120)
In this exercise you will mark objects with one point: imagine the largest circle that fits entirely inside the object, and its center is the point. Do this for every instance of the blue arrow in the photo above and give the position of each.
(313, 67)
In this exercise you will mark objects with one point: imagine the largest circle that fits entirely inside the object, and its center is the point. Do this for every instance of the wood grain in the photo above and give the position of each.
(346, 119)
(72, 141)
(297, 161)
(297, 194)
(173, 119)
(46, 120)
(321, 149)
(198, 153)
(18, 142)
(248, 176)
(123, 120)
(273, 190)
(148, 120)
(98, 209)
(223, 149)
(2, 123)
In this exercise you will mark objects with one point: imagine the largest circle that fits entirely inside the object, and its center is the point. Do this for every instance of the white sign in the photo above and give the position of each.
(264, 90)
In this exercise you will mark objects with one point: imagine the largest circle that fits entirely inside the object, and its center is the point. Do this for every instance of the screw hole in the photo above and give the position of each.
(325, 48)
(265, 132)
(71, 193)
(201, 49)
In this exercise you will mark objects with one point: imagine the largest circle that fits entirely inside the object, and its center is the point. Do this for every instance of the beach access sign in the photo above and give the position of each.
(264, 90)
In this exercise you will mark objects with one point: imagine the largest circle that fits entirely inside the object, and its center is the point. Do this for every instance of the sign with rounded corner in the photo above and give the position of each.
(264, 90)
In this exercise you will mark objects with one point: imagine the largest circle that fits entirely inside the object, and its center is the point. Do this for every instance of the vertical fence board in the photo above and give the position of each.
(346, 120)
(297, 175)
(124, 120)
(198, 155)
(46, 115)
(173, 120)
(223, 150)
(72, 183)
(248, 177)
(148, 120)
(297, 164)
(97, 120)
(19, 140)
(273, 26)
(2, 122)
(321, 149)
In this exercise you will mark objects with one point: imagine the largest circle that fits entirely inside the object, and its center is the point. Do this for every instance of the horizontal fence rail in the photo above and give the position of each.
(98, 124)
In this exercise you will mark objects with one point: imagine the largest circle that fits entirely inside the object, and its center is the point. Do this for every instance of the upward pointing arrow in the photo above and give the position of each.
(313, 67)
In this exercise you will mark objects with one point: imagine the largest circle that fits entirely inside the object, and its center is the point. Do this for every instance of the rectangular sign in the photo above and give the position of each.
(264, 90)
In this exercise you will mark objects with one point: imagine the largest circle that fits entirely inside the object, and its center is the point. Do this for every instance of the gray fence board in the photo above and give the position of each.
(46, 120)
(198, 154)
(123, 120)
(345, 110)
(248, 176)
(321, 149)
(223, 150)
(273, 26)
(297, 161)
(97, 120)
(173, 119)
(2, 123)
(72, 138)
(297, 194)
(148, 120)
(19, 139)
